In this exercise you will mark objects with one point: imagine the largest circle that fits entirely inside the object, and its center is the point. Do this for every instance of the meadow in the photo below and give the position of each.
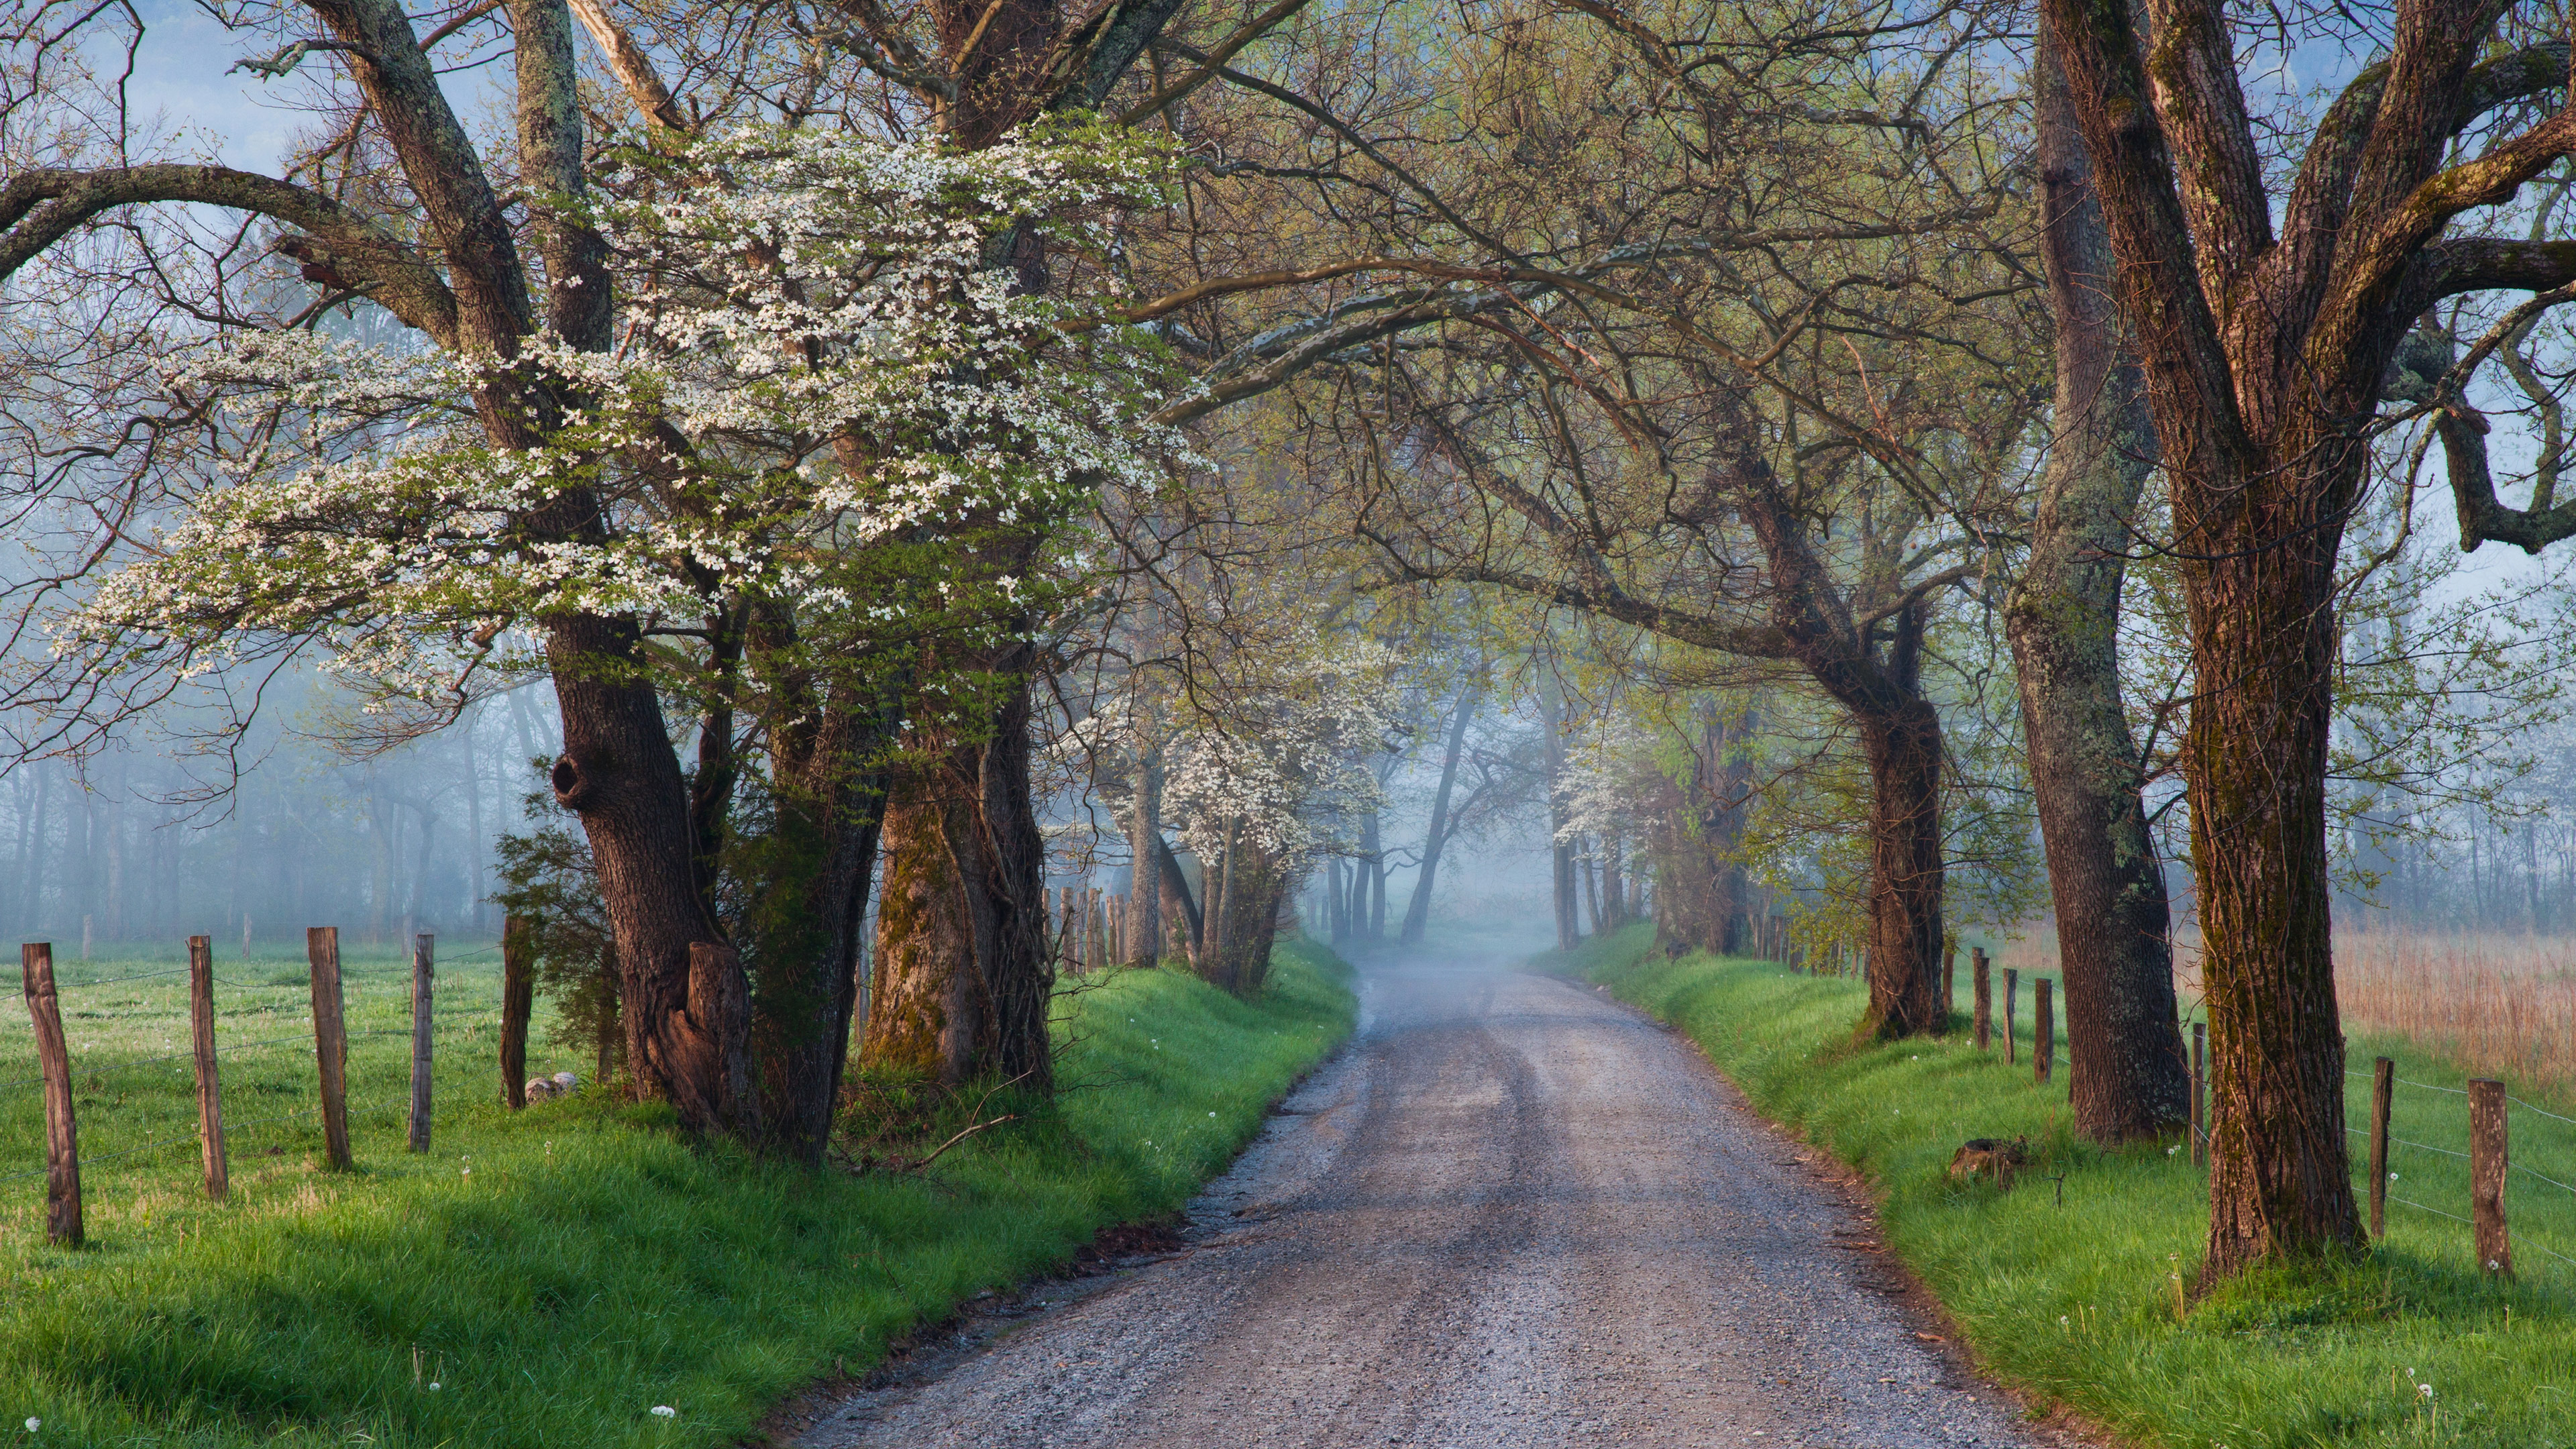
(2070, 1287)
(2497, 1003)
(556, 1275)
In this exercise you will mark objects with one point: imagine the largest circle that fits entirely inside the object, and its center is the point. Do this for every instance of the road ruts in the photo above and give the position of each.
(1513, 1213)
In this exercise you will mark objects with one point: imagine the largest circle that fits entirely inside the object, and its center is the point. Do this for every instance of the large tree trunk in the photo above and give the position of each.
(1018, 974)
(619, 774)
(2263, 621)
(2129, 1078)
(1243, 918)
(1417, 914)
(927, 1012)
(820, 854)
(1904, 752)
(964, 984)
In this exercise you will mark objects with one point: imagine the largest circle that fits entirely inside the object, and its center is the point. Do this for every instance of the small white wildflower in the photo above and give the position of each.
(665, 1411)
(2392, 1177)
(2170, 1151)
(2424, 1389)
(433, 1388)
(34, 1424)
(1211, 1114)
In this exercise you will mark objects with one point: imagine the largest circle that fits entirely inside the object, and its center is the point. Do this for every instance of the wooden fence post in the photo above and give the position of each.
(1985, 989)
(330, 1041)
(2043, 1036)
(2200, 1093)
(2383, 1091)
(210, 1100)
(54, 1059)
(1949, 984)
(423, 967)
(2012, 1000)
(518, 999)
(2486, 1175)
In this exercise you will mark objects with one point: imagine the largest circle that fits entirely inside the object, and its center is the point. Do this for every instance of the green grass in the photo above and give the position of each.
(591, 1265)
(2075, 1304)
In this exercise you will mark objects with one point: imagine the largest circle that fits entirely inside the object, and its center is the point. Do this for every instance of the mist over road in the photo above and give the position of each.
(1513, 1212)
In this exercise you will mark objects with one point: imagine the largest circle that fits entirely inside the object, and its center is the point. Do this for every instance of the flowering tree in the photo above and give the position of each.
(1262, 760)
(726, 419)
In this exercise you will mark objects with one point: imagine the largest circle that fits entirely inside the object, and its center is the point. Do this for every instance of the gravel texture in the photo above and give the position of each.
(1513, 1212)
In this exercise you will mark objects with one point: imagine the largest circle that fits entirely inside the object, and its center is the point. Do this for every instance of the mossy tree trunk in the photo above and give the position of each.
(2062, 616)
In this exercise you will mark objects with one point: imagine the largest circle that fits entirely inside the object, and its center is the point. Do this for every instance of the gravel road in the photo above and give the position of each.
(1512, 1212)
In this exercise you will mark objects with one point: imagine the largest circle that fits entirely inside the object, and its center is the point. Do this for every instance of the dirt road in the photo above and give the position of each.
(1513, 1213)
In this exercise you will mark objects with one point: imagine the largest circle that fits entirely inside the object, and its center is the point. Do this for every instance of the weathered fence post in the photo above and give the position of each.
(2486, 1175)
(518, 999)
(210, 1101)
(423, 956)
(2012, 1000)
(2200, 1093)
(330, 1041)
(2043, 1035)
(54, 1060)
(2383, 1091)
(1949, 984)
(1985, 989)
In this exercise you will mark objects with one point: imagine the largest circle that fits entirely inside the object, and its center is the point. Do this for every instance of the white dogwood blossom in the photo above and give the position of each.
(1282, 759)
(818, 355)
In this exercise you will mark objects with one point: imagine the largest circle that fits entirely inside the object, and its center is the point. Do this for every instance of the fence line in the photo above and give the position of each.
(125, 1024)
(2402, 1142)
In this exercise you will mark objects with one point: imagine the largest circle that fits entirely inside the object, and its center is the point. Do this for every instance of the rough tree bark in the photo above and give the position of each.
(928, 1015)
(2061, 617)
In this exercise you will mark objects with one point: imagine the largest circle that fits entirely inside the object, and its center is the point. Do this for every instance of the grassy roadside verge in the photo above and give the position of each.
(586, 1271)
(2076, 1304)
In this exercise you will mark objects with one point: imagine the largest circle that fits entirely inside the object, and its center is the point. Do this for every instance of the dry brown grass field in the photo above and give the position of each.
(2495, 1003)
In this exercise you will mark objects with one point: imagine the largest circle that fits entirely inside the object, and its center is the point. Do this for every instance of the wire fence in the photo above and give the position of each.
(2538, 1148)
(131, 1067)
